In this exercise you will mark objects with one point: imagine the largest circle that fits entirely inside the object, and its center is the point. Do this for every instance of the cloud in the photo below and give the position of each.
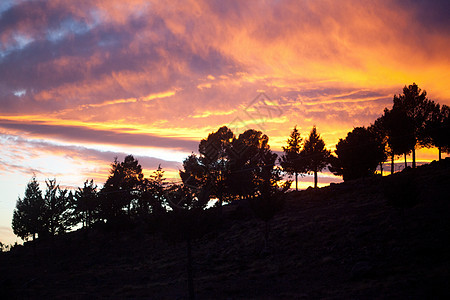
(86, 70)
(88, 135)
(22, 153)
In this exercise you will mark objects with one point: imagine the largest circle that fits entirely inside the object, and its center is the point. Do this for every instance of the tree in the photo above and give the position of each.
(58, 214)
(153, 199)
(399, 130)
(122, 188)
(213, 156)
(437, 129)
(86, 203)
(194, 172)
(380, 132)
(314, 154)
(291, 161)
(248, 156)
(358, 154)
(28, 215)
(417, 109)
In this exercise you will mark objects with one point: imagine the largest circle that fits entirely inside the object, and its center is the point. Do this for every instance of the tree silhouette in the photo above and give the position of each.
(381, 134)
(122, 188)
(247, 155)
(358, 154)
(28, 215)
(194, 172)
(418, 109)
(314, 154)
(399, 130)
(291, 161)
(58, 216)
(213, 156)
(86, 203)
(153, 199)
(437, 129)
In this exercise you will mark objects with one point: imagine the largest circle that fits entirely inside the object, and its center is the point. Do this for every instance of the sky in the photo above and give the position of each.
(82, 82)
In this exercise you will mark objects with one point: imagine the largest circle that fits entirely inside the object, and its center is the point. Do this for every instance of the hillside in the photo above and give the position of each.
(339, 242)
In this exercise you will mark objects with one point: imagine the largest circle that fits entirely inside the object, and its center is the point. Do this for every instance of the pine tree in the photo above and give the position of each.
(314, 154)
(418, 109)
(58, 216)
(291, 161)
(86, 203)
(28, 215)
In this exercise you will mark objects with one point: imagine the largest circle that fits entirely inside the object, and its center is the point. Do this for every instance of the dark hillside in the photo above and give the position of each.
(353, 240)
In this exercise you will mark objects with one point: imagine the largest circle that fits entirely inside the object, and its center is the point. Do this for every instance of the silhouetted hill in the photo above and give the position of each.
(353, 240)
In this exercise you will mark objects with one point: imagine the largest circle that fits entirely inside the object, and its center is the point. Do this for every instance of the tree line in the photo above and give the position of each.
(231, 168)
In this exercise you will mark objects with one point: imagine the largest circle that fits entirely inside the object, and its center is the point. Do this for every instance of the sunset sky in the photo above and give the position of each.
(84, 81)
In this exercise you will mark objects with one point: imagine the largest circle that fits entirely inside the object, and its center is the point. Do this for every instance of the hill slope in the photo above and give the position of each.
(343, 241)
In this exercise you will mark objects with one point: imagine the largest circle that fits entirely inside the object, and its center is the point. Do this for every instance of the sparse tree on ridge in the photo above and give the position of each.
(414, 103)
(28, 215)
(314, 154)
(380, 133)
(153, 199)
(247, 155)
(398, 129)
(358, 154)
(437, 129)
(122, 188)
(58, 215)
(194, 172)
(86, 203)
(291, 161)
(213, 155)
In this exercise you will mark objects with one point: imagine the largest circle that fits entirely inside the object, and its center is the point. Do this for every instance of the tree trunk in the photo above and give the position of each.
(189, 269)
(315, 179)
(414, 158)
(406, 163)
(296, 181)
(440, 153)
(392, 163)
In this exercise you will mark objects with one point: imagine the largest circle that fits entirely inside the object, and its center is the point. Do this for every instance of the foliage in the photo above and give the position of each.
(58, 215)
(437, 129)
(29, 212)
(291, 161)
(359, 154)
(249, 157)
(48, 215)
(194, 172)
(213, 156)
(153, 200)
(122, 188)
(86, 203)
(314, 154)
(418, 110)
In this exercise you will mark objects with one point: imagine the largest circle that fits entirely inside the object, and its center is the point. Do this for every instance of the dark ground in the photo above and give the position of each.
(340, 242)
